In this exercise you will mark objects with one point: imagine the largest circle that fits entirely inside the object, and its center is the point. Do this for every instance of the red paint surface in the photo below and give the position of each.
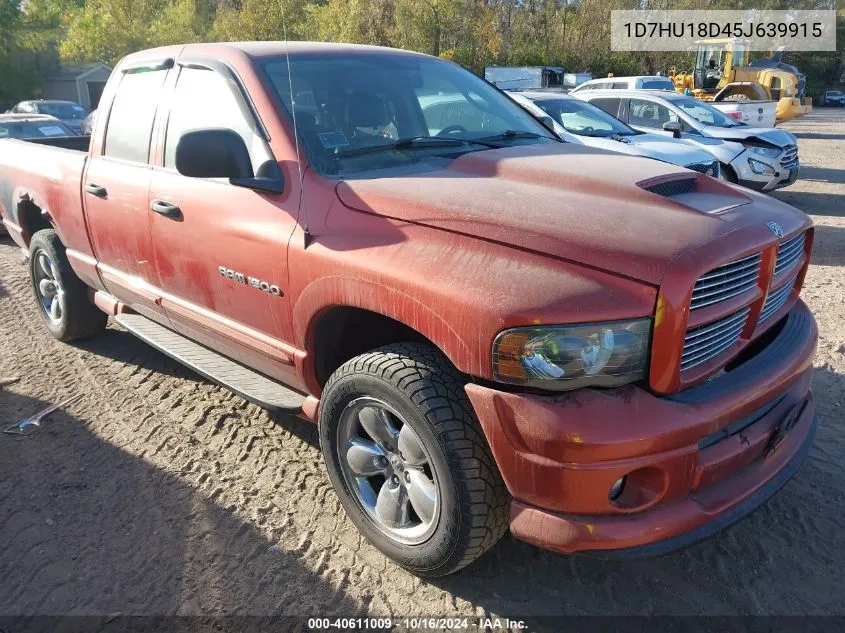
(550, 234)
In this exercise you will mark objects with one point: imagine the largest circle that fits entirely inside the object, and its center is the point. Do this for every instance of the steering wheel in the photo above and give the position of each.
(451, 129)
(589, 128)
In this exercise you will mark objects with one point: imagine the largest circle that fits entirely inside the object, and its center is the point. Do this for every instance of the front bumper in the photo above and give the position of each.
(781, 176)
(695, 462)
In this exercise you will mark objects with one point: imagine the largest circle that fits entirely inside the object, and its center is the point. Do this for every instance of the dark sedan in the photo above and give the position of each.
(70, 113)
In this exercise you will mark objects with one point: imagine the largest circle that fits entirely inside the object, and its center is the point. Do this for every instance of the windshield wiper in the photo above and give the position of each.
(620, 138)
(509, 134)
(416, 142)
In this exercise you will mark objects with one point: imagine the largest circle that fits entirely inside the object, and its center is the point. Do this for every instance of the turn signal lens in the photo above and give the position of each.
(569, 357)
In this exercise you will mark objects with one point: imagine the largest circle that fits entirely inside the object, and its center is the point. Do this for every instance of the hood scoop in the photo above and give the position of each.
(672, 188)
(708, 195)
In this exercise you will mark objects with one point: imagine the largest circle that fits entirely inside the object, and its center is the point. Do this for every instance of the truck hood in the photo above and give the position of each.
(572, 202)
(778, 138)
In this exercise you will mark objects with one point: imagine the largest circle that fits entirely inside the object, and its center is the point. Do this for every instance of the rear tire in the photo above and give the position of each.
(61, 296)
(412, 385)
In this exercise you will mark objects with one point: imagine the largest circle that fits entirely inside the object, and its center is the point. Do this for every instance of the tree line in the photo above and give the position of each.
(574, 34)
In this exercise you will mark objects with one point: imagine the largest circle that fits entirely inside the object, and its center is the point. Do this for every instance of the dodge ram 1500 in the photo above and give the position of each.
(492, 329)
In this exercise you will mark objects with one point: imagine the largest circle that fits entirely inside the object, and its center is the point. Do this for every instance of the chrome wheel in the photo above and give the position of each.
(389, 470)
(47, 286)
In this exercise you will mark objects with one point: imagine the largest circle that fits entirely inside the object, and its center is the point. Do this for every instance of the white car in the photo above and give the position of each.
(640, 82)
(755, 157)
(753, 112)
(578, 122)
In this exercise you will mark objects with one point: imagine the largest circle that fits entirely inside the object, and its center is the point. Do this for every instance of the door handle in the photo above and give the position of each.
(166, 209)
(96, 190)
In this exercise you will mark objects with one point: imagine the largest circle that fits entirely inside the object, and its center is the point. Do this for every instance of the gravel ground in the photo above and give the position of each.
(160, 493)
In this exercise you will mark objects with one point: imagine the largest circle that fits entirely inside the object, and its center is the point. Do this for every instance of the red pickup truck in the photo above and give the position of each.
(492, 329)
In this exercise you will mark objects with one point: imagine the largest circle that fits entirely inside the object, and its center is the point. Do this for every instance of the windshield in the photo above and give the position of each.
(388, 105)
(34, 129)
(63, 110)
(578, 117)
(706, 114)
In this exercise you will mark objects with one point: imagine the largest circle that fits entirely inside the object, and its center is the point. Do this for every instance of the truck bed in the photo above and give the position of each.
(76, 143)
(46, 173)
(753, 113)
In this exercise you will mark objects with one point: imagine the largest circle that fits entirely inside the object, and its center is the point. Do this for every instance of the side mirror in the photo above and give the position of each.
(213, 153)
(674, 127)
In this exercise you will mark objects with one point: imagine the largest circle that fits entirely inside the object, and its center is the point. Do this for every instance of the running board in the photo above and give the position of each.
(245, 382)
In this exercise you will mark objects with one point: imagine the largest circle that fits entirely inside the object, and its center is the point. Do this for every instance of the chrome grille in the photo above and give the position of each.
(789, 252)
(708, 341)
(776, 299)
(726, 281)
(789, 158)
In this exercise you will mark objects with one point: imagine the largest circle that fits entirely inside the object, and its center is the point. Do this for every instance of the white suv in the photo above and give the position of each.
(759, 158)
(641, 82)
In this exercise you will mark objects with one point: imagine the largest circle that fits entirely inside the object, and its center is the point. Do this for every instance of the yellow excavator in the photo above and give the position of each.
(722, 73)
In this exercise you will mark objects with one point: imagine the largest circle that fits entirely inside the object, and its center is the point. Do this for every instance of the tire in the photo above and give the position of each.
(421, 389)
(738, 96)
(76, 317)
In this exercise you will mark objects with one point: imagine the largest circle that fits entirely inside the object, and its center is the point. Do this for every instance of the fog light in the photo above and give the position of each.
(760, 168)
(617, 488)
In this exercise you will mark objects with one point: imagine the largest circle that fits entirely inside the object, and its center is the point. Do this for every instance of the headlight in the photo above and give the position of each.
(769, 152)
(760, 168)
(563, 357)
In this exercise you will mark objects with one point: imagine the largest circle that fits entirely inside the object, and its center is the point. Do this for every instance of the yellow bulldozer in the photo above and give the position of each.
(722, 73)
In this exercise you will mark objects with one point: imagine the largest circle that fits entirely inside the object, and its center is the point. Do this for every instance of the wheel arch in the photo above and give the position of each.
(31, 218)
(337, 319)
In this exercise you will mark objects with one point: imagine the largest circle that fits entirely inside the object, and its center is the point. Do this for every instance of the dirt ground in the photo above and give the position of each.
(160, 493)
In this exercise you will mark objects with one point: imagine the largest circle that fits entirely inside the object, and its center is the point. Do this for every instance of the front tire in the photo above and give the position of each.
(408, 460)
(61, 296)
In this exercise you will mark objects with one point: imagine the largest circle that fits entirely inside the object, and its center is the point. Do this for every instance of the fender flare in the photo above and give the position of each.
(326, 293)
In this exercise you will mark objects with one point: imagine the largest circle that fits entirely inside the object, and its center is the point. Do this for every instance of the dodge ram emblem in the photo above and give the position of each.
(249, 281)
(776, 228)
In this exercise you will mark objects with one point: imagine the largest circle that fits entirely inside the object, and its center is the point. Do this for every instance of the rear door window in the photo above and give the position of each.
(131, 117)
(649, 114)
(608, 104)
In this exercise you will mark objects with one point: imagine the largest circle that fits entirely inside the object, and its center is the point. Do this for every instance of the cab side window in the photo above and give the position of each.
(205, 99)
(130, 122)
(649, 114)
